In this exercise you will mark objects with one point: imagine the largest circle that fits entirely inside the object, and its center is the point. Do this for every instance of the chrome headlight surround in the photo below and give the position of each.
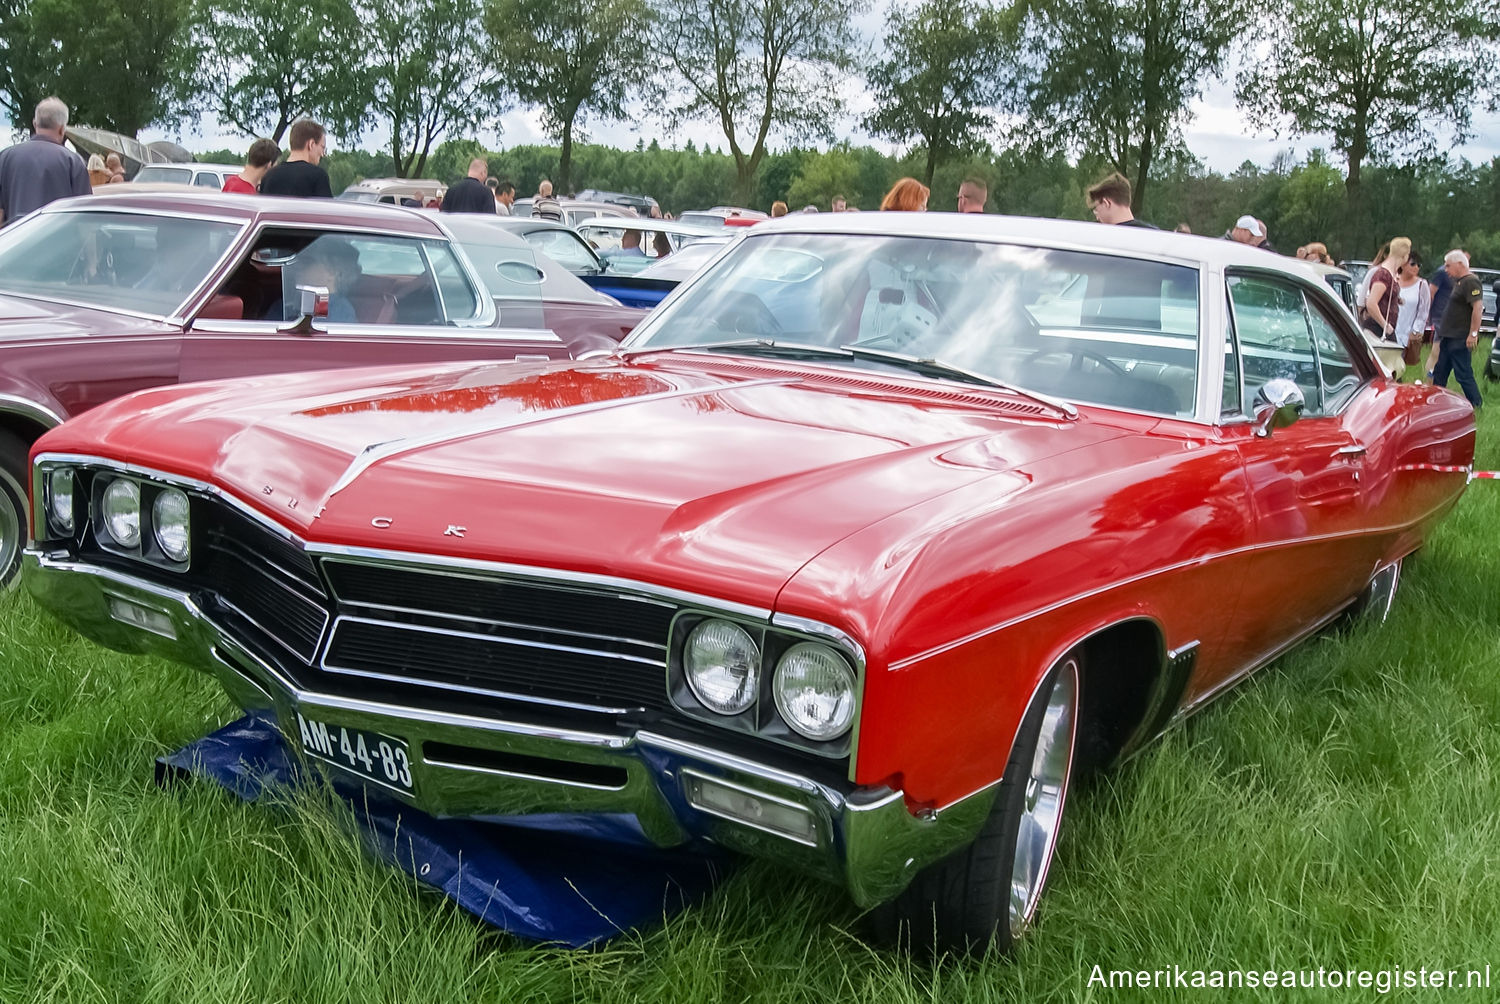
(141, 518)
(776, 639)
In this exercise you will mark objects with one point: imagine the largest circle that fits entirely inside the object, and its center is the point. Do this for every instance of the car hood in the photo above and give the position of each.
(22, 317)
(707, 474)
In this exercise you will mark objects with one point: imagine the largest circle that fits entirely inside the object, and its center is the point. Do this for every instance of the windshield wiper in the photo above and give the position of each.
(938, 368)
(752, 347)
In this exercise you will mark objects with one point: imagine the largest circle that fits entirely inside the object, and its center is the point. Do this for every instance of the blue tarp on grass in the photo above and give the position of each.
(568, 880)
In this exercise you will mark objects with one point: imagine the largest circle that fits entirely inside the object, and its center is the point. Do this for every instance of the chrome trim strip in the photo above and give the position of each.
(645, 591)
(1373, 531)
(26, 408)
(458, 688)
(497, 772)
(374, 453)
(341, 330)
(441, 615)
(475, 636)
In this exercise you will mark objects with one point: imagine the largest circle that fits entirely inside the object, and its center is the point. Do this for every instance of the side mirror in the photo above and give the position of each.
(312, 302)
(1277, 405)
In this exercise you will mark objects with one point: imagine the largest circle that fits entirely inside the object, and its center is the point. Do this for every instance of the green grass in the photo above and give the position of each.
(1339, 810)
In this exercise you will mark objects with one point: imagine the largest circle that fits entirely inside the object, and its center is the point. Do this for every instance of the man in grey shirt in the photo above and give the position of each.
(34, 173)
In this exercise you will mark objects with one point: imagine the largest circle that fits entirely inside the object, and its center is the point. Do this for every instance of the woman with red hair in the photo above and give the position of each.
(907, 195)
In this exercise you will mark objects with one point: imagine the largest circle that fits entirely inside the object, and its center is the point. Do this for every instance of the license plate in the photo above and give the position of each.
(374, 756)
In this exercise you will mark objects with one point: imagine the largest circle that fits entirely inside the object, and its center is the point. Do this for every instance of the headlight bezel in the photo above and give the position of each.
(168, 551)
(763, 719)
(148, 546)
(57, 525)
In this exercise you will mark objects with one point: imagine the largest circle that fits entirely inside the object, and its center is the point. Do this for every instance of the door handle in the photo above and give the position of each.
(1352, 451)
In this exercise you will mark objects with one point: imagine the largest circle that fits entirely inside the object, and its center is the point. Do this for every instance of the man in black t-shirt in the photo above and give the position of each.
(1458, 328)
(1109, 198)
(300, 175)
(471, 194)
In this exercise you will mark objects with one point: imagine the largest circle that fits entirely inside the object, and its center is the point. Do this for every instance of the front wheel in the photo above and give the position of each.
(988, 892)
(12, 506)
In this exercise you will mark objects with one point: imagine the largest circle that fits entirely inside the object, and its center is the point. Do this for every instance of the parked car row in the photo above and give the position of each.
(855, 553)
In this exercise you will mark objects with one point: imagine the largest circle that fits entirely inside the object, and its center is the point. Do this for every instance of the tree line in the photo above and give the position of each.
(1102, 83)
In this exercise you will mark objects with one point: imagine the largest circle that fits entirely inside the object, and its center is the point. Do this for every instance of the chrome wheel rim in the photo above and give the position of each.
(10, 528)
(1046, 789)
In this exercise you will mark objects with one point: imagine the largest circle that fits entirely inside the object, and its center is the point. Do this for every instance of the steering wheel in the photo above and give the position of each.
(744, 314)
(1079, 354)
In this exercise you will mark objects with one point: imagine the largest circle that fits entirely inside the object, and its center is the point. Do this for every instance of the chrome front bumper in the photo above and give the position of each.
(864, 839)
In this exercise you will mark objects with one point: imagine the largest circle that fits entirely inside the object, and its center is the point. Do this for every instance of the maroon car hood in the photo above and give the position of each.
(692, 472)
(22, 317)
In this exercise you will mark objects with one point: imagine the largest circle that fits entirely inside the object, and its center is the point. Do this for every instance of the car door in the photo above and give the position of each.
(1316, 529)
(390, 299)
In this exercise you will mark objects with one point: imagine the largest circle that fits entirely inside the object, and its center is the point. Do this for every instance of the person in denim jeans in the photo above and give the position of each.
(1458, 328)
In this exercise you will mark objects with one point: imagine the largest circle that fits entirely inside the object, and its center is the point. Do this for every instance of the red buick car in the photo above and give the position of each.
(107, 294)
(865, 543)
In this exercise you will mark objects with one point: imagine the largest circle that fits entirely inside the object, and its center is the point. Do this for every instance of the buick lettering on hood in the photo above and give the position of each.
(874, 535)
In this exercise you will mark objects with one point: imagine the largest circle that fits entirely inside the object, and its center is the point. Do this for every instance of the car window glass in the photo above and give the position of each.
(1274, 339)
(144, 263)
(1231, 397)
(176, 175)
(206, 180)
(459, 301)
(1099, 328)
(564, 248)
(1340, 378)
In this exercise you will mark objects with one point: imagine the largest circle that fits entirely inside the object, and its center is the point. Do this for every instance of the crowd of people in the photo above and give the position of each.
(1395, 305)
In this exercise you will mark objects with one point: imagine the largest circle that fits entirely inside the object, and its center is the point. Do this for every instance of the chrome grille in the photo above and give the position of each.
(261, 579)
(508, 636)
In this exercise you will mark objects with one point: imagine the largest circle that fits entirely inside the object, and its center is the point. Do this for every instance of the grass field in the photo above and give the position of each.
(1341, 810)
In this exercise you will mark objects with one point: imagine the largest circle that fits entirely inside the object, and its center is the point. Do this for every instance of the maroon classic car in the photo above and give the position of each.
(104, 295)
(860, 547)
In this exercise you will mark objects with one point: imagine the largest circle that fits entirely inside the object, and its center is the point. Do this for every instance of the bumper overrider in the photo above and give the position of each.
(488, 766)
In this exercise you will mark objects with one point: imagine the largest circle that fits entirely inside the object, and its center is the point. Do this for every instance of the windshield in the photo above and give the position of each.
(120, 260)
(1083, 326)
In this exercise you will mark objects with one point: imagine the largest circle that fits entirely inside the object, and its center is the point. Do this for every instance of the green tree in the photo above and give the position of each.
(428, 73)
(940, 76)
(771, 64)
(119, 64)
(268, 63)
(1114, 78)
(1381, 78)
(825, 175)
(450, 161)
(573, 59)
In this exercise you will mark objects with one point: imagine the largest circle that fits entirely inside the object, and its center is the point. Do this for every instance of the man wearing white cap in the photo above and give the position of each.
(1249, 230)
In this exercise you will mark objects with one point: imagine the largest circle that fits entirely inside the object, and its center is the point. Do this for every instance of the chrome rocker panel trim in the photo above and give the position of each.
(865, 839)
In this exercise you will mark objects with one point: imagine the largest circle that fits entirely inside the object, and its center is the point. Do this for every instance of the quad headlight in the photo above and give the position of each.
(169, 523)
(722, 664)
(814, 691)
(120, 512)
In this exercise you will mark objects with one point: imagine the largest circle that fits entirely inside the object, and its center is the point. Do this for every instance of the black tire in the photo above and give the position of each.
(12, 507)
(963, 903)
